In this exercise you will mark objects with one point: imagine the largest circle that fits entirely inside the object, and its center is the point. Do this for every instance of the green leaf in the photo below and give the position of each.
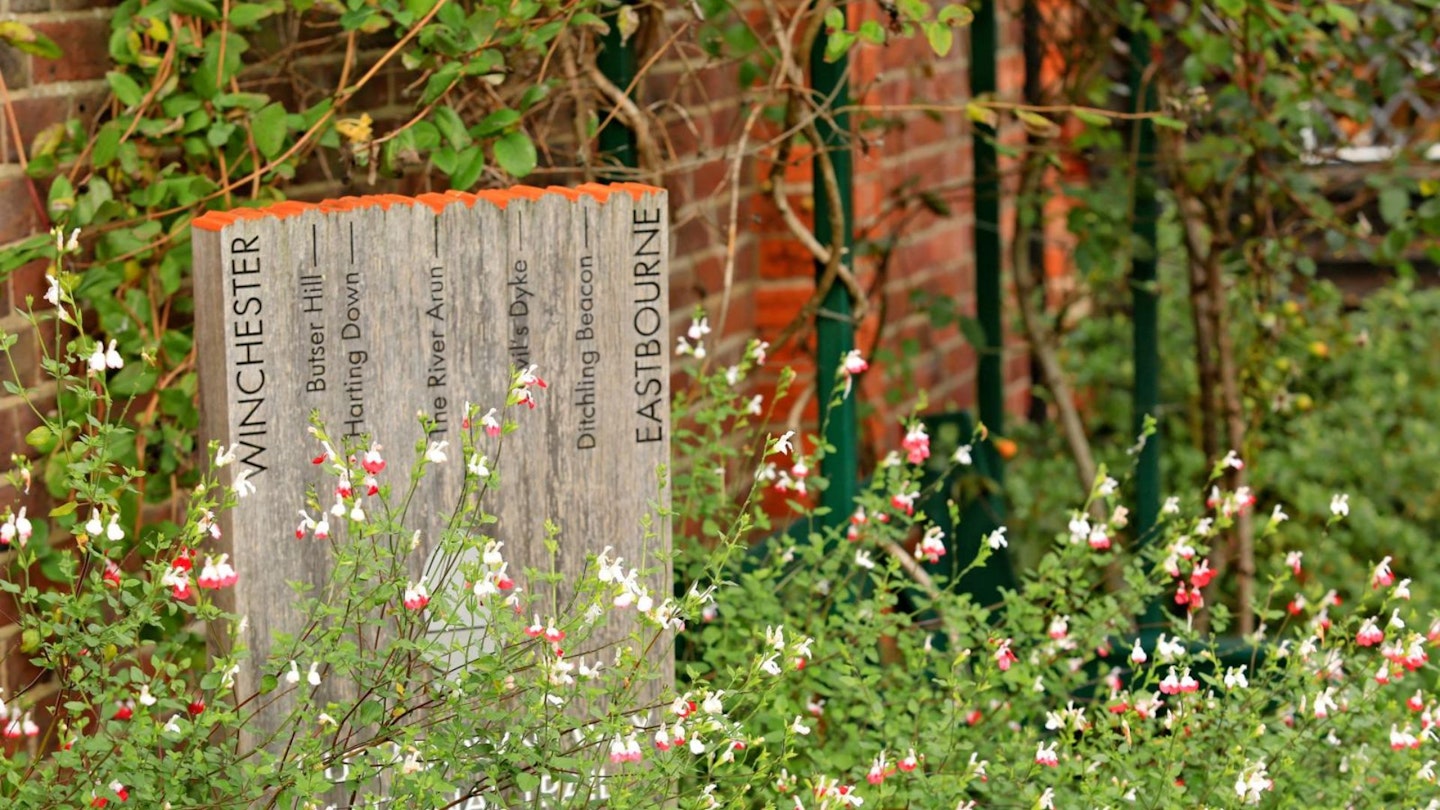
(1394, 203)
(872, 31)
(219, 133)
(245, 15)
(125, 88)
(42, 438)
(940, 36)
(469, 165)
(956, 14)
(107, 144)
(1091, 117)
(28, 40)
(269, 129)
(451, 127)
(64, 509)
(838, 44)
(1168, 122)
(204, 9)
(1343, 16)
(834, 19)
(62, 195)
(419, 8)
(526, 782)
(497, 121)
(515, 153)
(534, 94)
(973, 332)
(133, 380)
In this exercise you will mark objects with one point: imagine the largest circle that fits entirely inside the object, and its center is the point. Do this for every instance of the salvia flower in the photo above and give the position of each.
(217, 573)
(16, 527)
(916, 444)
(371, 460)
(103, 358)
(1382, 577)
(416, 596)
(435, 453)
(932, 545)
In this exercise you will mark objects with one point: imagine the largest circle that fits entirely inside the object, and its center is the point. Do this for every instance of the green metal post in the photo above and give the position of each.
(991, 377)
(834, 329)
(616, 60)
(1146, 295)
(1146, 342)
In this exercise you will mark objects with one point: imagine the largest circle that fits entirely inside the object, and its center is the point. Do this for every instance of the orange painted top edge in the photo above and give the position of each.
(388, 201)
(437, 202)
(599, 191)
(497, 198)
(568, 193)
(211, 221)
(291, 208)
(526, 192)
(639, 190)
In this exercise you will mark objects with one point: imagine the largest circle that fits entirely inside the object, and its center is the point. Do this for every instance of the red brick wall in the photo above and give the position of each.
(701, 118)
(773, 273)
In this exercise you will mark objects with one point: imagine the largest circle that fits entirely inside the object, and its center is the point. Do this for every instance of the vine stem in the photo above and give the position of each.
(40, 207)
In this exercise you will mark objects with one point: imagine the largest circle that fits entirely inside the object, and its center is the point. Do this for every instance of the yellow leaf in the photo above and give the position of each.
(981, 114)
(355, 130)
(157, 30)
(47, 140)
(628, 21)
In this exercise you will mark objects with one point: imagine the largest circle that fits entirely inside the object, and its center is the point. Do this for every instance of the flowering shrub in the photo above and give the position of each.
(914, 695)
(824, 668)
(390, 696)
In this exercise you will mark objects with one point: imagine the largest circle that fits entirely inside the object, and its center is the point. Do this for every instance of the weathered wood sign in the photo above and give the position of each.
(367, 310)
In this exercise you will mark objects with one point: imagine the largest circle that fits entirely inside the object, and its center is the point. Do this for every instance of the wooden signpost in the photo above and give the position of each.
(368, 310)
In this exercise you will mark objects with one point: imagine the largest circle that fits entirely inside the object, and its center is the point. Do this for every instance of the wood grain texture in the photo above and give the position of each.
(369, 311)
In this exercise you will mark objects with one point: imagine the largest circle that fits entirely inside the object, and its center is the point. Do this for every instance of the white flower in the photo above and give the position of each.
(173, 727)
(996, 539)
(242, 485)
(756, 406)
(314, 676)
(435, 453)
(798, 726)
(1172, 506)
(479, 466)
(862, 559)
(1235, 678)
(293, 676)
(94, 527)
(1340, 504)
(146, 699)
(782, 444)
(732, 376)
(963, 456)
(711, 704)
(225, 457)
(1108, 487)
(698, 328)
(103, 358)
(52, 292)
(1278, 516)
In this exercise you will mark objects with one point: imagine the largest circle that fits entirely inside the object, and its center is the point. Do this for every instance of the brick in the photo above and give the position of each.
(85, 41)
(20, 218)
(28, 7)
(15, 67)
(26, 280)
(36, 113)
